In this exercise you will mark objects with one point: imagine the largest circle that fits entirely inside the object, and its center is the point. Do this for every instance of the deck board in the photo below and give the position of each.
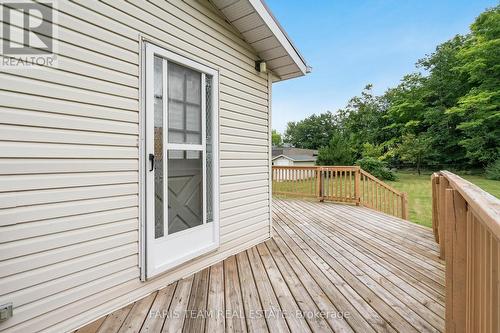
(215, 302)
(250, 294)
(153, 322)
(195, 321)
(329, 268)
(235, 319)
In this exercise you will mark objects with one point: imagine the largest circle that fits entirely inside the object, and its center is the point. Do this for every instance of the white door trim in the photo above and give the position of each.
(197, 236)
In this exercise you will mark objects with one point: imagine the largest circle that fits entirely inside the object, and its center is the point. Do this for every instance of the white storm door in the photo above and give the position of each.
(181, 160)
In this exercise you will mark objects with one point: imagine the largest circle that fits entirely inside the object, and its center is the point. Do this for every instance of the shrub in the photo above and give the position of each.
(376, 167)
(493, 170)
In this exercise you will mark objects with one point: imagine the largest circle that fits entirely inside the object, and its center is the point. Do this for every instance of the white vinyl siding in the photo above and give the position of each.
(69, 159)
(304, 163)
(283, 161)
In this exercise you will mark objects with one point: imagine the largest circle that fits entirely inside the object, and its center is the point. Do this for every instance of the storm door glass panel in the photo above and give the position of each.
(158, 146)
(184, 105)
(185, 189)
(209, 147)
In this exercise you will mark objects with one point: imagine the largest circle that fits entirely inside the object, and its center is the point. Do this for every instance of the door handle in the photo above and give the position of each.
(152, 161)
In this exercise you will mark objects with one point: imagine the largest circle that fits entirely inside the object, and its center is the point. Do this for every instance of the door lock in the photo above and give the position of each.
(152, 161)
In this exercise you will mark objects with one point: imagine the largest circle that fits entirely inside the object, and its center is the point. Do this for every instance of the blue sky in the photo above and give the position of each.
(350, 43)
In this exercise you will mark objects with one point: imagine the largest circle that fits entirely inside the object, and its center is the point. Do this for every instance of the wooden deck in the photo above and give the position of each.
(329, 267)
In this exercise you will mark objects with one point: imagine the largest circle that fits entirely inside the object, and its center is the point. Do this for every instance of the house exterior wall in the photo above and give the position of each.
(281, 161)
(69, 166)
(304, 163)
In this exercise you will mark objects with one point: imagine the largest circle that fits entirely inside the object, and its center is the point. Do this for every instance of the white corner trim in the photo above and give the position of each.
(270, 129)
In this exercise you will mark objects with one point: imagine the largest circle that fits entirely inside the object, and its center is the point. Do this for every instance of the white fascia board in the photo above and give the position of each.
(269, 20)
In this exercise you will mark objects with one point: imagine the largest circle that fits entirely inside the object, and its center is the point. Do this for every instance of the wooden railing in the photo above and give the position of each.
(466, 224)
(378, 195)
(348, 184)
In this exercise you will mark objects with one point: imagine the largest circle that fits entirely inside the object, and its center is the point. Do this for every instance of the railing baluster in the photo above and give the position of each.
(357, 186)
(386, 202)
(329, 184)
(373, 195)
(342, 185)
(335, 176)
(391, 201)
(337, 185)
(341, 188)
(349, 184)
(299, 180)
(294, 179)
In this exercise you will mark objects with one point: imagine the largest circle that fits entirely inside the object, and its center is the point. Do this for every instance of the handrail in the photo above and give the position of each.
(466, 224)
(485, 205)
(347, 184)
(387, 186)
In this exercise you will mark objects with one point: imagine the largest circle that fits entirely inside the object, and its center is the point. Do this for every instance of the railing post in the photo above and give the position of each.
(404, 206)
(456, 227)
(319, 184)
(435, 219)
(357, 183)
(443, 185)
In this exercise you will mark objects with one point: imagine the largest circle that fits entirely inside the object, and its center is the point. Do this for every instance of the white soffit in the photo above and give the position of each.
(254, 20)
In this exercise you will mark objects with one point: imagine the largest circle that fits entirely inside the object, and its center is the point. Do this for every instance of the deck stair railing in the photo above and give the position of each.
(466, 224)
(347, 184)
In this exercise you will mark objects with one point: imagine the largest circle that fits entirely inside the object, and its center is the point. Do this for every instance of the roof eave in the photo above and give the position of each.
(272, 23)
(261, 30)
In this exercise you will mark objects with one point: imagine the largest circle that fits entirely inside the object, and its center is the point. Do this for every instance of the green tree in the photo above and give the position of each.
(480, 105)
(362, 119)
(312, 133)
(415, 149)
(371, 150)
(455, 104)
(441, 90)
(445, 114)
(276, 139)
(338, 152)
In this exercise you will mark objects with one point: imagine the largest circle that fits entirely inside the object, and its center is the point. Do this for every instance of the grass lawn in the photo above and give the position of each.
(419, 192)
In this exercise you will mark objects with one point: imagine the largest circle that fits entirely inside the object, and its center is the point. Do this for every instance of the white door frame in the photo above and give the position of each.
(167, 252)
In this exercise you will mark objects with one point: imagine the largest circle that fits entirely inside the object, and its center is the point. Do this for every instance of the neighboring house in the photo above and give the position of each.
(143, 157)
(294, 157)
